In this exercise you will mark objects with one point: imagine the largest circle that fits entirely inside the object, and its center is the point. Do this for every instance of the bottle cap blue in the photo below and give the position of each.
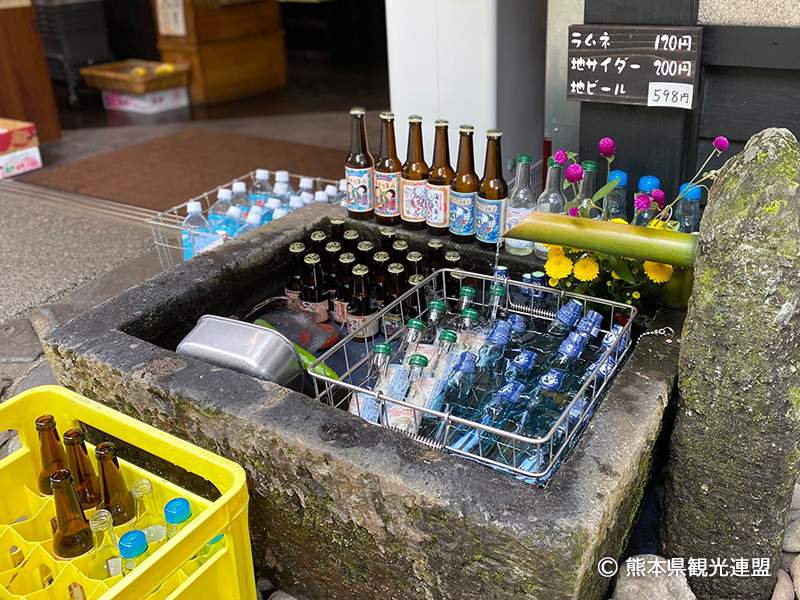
(590, 324)
(499, 337)
(525, 360)
(511, 391)
(605, 369)
(517, 323)
(570, 312)
(177, 510)
(466, 363)
(572, 346)
(692, 193)
(501, 325)
(527, 278)
(648, 183)
(621, 175)
(611, 337)
(132, 544)
(501, 272)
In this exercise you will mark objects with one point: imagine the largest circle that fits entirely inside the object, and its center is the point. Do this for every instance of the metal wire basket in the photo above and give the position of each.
(166, 226)
(350, 358)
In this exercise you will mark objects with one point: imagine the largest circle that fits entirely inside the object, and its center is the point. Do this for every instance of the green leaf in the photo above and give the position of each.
(604, 191)
(673, 225)
(572, 155)
(621, 269)
(565, 184)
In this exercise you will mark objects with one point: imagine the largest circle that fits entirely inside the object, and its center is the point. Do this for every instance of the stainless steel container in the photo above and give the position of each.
(246, 348)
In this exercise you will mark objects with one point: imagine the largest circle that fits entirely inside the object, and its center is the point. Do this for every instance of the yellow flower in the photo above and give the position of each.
(614, 275)
(637, 295)
(586, 269)
(623, 221)
(553, 282)
(657, 224)
(558, 267)
(658, 272)
(555, 251)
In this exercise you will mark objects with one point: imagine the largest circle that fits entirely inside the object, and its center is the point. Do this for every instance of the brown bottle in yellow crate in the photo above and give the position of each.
(73, 536)
(50, 452)
(87, 485)
(115, 497)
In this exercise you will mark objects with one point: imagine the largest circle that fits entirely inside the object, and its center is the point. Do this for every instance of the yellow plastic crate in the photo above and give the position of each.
(227, 574)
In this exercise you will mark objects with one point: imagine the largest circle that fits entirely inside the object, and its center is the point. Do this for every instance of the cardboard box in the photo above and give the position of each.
(16, 136)
(19, 162)
(146, 104)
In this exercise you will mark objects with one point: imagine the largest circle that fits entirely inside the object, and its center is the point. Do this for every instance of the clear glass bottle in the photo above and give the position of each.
(177, 514)
(521, 202)
(647, 184)
(210, 549)
(148, 518)
(364, 405)
(106, 560)
(616, 201)
(552, 200)
(454, 397)
(133, 549)
(687, 211)
(587, 190)
(493, 413)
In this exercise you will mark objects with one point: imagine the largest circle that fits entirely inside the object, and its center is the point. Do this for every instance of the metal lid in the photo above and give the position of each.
(311, 259)
(497, 290)
(470, 313)
(437, 305)
(347, 257)
(467, 291)
(351, 234)
(333, 247)
(435, 244)
(415, 324)
(466, 129)
(415, 119)
(382, 349)
(318, 236)
(396, 268)
(418, 361)
(360, 270)
(524, 158)
(379, 256)
(400, 245)
(338, 220)
(358, 111)
(452, 256)
(365, 246)
(297, 248)
(414, 256)
(387, 232)
(448, 336)
(494, 134)
(415, 280)
(387, 116)
(441, 123)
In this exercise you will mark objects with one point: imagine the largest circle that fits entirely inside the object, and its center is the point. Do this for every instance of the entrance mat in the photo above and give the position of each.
(168, 171)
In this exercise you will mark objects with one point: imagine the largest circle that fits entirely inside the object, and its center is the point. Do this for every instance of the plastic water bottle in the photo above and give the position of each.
(320, 196)
(331, 191)
(342, 196)
(279, 212)
(281, 192)
(253, 220)
(195, 230)
(307, 197)
(219, 210)
(240, 198)
(295, 202)
(259, 191)
(283, 177)
(306, 185)
(269, 209)
(231, 224)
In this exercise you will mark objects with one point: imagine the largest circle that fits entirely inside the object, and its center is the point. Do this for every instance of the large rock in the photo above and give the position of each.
(655, 581)
(784, 590)
(734, 451)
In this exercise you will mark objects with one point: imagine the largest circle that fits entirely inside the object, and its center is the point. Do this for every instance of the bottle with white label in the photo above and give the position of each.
(439, 178)
(365, 405)
(418, 391)
(413, 179)
(521, 202)
(464, 190)
(490, 206)
(552, 200)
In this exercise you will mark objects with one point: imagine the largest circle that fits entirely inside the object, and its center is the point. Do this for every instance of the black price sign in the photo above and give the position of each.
(648, 66)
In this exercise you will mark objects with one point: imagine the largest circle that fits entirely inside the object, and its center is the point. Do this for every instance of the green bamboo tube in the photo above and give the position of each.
(642, 243)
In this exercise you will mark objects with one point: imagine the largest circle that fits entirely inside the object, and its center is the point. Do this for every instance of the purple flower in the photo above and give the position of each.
(574, 173)
(607, 148)
(573, 211)
(721, 143)
(642, 202)
(561, 157)
(658, 197)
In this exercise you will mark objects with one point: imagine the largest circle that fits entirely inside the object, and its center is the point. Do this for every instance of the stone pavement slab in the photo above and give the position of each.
(18, 342)
(41, 375)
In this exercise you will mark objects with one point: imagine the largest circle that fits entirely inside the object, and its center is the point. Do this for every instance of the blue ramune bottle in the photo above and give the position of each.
(522, 295)
(591, 354)
(455, 398)
(522, 368)
(503, 402)
(561, 371)
(491, 364)
(589, 328)
(519, 329)
(565, 320)
(580, 409)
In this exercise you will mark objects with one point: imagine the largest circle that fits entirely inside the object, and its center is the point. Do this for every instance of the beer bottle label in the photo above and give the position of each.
(387, 194)
(438, 205)
(359, 189)
(339, 311)
(318, 309)
(514, 216)
(489, 217)
(363, 329)
(415, 200)
(462, 212)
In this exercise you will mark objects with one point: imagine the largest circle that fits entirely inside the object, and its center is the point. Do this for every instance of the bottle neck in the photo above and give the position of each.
(523, 176)
(587, 184)
(466, 158)
(69, 513)
(388, 145)
(104, 538)
(460, 379)
(493, 167)
(464, 302)
(494, 306)
(415, 373)
(146, 504)
(441, 148)
(358, 136)
(415, 153)
(553, 184)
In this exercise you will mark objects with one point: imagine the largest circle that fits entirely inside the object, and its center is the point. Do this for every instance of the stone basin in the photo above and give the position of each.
(341, 509)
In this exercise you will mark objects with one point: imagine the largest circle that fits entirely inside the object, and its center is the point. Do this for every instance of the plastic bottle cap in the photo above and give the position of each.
(254, 217)
(262, 175)
(382, 349)
(177, 511)
(466, 362)
(501, 272)
(307, 197)
(648, 183)
(194, 208)
(132, 544)
(527, 278)
(517, 323)
(306, 183)
(273, 203)
(467, 291)
(497, 290)
(343, 185)
(282, 176)
(296, 202)
(321, 196)
(234, 212)
(511, 391)
(470, 313)
(415, 324)
(537, 275)
(418, 361)
(279, 212)
(256, 209)
(224, 194)
(239, 187)
(693, 193)
(437, 305)
(621, 175)
(551, 163)
(330, 190)
(448, 335)
(524, 159)
(589, 165)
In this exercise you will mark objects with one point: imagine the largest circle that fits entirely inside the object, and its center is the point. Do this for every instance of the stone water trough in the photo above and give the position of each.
(341, 509)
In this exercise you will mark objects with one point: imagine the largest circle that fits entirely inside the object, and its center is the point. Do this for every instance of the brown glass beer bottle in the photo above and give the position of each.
(86, 483)
(115, 497)
(50, 452)
(414, 190)
(490, 207)
(73, 536)
(359, 310)
(387, 175)
(439, 178)
(464, 190)
(359, 170)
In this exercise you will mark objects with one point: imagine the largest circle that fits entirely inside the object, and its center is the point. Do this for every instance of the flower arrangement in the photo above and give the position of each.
(618, 278)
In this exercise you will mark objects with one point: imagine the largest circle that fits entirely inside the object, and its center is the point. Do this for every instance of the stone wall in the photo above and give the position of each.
(766, 13)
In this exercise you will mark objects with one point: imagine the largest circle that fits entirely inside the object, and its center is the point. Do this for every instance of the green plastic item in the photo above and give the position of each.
(306, 358)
